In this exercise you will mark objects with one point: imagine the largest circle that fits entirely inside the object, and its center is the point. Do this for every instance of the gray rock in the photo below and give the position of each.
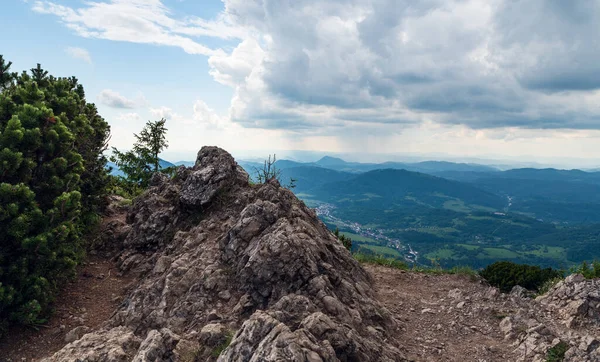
(213, 172)
(207, 246)
(520, 292)
(76, 333)
(213, 334)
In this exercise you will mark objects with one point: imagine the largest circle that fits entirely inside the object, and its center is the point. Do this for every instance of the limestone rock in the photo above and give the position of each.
(76, 333)
(217, 255)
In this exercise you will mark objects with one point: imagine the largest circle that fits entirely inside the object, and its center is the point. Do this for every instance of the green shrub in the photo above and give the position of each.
(589, 271)
(557, 353)
(223, 346)
(52, 184)
(548, 284)
(505, 275)
(142, 161)
(346, 241)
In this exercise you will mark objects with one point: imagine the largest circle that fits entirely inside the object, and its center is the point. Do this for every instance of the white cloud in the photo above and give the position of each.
(207, 116)
(115, 100)
(397, 62)
(137, 21)
(232, 69)
(128, 117)
(162, 112)
(385, 74)
(79, 53)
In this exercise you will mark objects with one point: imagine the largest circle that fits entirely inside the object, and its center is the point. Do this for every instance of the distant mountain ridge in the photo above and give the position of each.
(115, 171)
(392, 186)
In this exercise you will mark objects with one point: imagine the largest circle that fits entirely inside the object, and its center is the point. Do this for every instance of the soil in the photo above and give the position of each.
(434, 328)
(88, 300)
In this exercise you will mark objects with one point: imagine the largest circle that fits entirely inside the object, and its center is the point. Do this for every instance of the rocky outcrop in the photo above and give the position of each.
(237, 272)
(566, 317)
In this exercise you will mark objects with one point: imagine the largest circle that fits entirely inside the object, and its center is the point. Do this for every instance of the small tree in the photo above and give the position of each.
(270, 171)
(142, 161)
(6, 76)
(346, 241)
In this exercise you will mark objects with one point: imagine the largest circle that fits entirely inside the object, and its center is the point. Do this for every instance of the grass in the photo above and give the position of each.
(548, 284)
(458, 270)
(437, 231)
(554, 252)
(440, 254)
(498, 253)
(125, 202)
(359, 238)
(456, 205)
(380, 260)
(469, 247)
(557, 353)
(401, 265)
(473, 217)
(220, 348)
(378, 249)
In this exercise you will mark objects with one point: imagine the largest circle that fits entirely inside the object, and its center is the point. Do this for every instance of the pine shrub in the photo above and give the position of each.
(505, 275)
(52, 185)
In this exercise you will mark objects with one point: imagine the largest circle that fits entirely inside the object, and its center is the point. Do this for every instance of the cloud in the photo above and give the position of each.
(79, 53)
(399, 63)
(380, 66)
(207, 116)
(138, 21)
(128, 117)
(162, 112)
(115, 100)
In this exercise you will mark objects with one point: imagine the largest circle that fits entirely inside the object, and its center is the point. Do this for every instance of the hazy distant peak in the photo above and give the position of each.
(328, 160)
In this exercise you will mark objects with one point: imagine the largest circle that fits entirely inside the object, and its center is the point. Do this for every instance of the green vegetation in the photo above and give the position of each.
(270, 171)
(552, 217)
(139, 163)
(367, 258)
(589, 271)
(548, 284)
(346, 241)
(380, 260)
(221, 347)
(557, 353)
(380, 249)
(52, 184)
(360, 238)
(505, 275)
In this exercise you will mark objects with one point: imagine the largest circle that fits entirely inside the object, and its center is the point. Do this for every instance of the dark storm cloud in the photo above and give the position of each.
(483, 64)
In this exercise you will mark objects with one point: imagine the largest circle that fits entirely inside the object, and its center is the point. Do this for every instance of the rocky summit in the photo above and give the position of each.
(240, 272)
(223, 269)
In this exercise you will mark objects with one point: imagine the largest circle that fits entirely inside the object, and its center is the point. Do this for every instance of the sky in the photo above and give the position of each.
(511, 80)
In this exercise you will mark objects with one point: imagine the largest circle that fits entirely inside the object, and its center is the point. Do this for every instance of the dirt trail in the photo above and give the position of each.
(89, 300)
(444, 317)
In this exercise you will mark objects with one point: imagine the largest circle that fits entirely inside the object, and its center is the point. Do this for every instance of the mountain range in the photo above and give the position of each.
(454, 213)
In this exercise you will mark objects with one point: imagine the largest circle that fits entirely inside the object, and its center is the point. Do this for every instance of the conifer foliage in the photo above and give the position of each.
(139, 163)
(52, 181)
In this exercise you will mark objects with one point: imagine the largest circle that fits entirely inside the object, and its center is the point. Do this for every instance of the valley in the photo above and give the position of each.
(456, 216)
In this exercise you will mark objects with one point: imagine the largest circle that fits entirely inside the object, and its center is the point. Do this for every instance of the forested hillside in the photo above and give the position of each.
(476, 217)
